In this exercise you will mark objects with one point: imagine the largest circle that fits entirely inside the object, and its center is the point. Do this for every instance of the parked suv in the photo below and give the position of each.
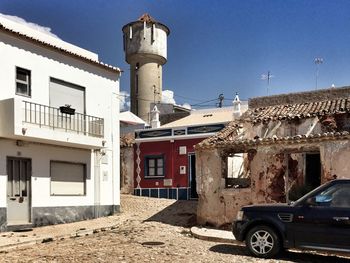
(318, 220)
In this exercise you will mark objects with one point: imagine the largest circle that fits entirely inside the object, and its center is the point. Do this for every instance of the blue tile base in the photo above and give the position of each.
(168, 193)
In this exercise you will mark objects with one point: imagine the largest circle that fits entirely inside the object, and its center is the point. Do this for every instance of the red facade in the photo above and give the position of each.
(174, 161)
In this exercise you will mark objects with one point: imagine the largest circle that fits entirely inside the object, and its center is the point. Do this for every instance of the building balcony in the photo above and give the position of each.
(28, 121)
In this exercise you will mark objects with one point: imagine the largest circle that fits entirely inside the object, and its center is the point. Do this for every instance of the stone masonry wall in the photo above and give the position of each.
(127, 170)
(335, 156)
(300, 97)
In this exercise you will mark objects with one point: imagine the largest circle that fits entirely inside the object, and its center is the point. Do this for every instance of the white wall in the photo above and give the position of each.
(44, 64)
(41, 155)
(3, 185)
(101, 89)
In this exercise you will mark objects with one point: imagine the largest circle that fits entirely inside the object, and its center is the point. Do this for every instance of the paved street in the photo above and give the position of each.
(147, 230)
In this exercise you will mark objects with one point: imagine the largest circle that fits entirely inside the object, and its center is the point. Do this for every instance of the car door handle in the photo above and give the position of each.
(340, 218)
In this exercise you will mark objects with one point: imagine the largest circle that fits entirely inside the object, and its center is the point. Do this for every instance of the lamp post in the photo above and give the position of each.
(318, 61)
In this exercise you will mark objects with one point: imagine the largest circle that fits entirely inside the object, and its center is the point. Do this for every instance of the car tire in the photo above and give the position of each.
(263, 242)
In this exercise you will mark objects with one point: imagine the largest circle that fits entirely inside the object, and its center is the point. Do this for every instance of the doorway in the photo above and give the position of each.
(192, 176)
(312, 170)
(18, 191)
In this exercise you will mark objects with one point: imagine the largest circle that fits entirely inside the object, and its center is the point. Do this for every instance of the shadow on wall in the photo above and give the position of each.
(181, 213)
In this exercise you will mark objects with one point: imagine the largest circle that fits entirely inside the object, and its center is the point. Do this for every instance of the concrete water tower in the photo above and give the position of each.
(145, 47)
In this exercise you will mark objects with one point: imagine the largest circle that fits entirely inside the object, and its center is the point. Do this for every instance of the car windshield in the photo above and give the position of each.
(312, 193)
(337, 195)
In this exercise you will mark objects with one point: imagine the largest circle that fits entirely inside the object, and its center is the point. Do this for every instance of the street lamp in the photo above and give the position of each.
(318, 61)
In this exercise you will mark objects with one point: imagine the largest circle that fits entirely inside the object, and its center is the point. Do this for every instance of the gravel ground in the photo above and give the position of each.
(148, 230)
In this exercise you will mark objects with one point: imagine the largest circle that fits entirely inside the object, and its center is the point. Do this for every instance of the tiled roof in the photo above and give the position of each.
(147, 18)
(230, 133)
(300, 110)
(233, 134)
(57, 48)
(236, 141)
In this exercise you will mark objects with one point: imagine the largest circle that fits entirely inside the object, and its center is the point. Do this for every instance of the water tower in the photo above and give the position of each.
(145, 47)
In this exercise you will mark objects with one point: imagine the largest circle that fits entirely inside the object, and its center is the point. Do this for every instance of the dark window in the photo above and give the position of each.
(23, 82)
(154, 166)
(312, 171)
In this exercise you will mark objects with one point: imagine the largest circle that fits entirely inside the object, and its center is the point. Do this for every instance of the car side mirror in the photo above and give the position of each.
(311, 201)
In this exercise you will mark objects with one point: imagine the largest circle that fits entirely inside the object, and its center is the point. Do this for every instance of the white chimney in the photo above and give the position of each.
(155, 123)
(236, 107)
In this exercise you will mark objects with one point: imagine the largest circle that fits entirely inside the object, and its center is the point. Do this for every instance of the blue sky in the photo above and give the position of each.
(214, 46)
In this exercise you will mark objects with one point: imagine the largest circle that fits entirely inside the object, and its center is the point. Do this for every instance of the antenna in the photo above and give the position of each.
(318, 62)
(267, 77)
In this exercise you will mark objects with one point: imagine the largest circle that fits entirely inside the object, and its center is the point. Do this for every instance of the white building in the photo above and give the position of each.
(59, 132)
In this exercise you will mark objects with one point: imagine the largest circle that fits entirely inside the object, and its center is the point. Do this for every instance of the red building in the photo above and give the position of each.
(165, 162)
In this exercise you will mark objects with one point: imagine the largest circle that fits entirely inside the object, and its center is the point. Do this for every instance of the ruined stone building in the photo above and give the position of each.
(285, 145)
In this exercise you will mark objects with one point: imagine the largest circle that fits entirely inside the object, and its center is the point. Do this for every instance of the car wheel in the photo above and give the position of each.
(263, 242)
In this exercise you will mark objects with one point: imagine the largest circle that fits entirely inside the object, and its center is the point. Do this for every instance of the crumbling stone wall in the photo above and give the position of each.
(274, 167)
(210, 209)
(300, 97)
(127, 170)
(335, 156)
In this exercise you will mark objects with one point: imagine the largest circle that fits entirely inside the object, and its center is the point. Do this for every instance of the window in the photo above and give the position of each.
(154, 166)
(63, 93)
(335, 196)
(67, 178)
(23, 82)
(237, 171)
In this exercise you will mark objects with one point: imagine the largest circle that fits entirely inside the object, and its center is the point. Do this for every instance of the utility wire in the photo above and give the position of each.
(175, 95)
(197, 104)
(204, 102)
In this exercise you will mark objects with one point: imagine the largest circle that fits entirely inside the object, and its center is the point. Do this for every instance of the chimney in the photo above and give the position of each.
(236, 107)
(155, 123)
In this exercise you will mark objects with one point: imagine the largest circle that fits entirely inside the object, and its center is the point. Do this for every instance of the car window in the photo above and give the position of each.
(334, 196)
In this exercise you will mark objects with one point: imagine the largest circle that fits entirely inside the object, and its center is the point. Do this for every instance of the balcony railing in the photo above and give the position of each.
(47, 116)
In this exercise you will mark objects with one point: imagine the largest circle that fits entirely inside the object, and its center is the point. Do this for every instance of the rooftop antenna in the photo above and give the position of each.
(318, 62)
(267, 77)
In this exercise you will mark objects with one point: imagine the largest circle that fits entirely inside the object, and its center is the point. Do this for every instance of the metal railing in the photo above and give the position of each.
(47, 116)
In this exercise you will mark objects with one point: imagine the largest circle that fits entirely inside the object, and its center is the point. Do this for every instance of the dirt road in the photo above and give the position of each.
(147, 230)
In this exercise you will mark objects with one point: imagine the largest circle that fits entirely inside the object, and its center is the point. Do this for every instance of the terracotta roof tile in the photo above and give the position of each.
(219, 142)
(147, 18)
(232, 134)
(301, 110)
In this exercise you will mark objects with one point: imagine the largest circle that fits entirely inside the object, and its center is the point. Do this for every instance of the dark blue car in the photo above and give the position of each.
(320, 220)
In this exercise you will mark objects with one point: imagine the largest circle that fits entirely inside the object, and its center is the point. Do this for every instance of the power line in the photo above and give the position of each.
(175, 95)
(204, 102)
(192, 105)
